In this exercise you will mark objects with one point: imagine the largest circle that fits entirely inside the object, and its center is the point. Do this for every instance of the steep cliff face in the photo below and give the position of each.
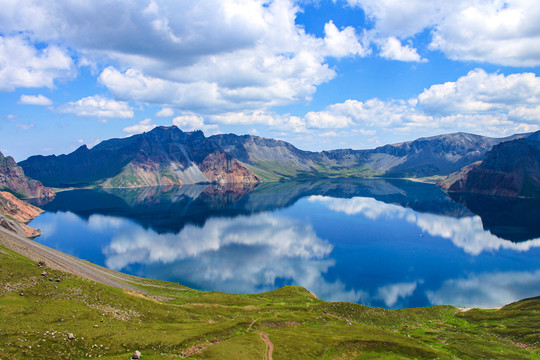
(510, 169)
(12, 177)
(16, 213)
(222, 168)
(163, 156)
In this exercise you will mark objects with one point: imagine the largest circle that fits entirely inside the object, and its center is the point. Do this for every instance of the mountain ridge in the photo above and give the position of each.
(509, 169)
(13, 179)
(169, 156)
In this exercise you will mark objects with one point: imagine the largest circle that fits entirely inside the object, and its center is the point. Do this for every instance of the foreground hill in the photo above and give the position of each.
(168, 156)
(13, 179)
(510, 169)
(48, 313)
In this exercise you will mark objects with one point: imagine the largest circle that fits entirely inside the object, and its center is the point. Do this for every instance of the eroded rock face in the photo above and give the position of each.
(12, 177)
(510, 169)
(221, 168)
(16, 208)
(15, 213)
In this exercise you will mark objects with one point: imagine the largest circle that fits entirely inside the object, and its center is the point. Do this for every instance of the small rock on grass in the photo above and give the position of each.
(70, 336)
(136, 355)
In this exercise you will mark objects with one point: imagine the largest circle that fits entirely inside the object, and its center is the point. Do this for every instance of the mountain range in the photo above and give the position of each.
(169, 156)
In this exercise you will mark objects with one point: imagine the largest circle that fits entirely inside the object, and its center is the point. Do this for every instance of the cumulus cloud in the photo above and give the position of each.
(325, 119)
(500, 32)
(24, 66)
(478, 102)
(272, 119)
(191, 122)
(165, 112)
(35, 100)
(143, 126)
(492, 31)
(342, 43)
(98, 106)
(402, 19)
(206, 55)
(391, 48)
(480, 92)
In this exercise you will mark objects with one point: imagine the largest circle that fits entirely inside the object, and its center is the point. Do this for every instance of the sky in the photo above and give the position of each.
(321, 74)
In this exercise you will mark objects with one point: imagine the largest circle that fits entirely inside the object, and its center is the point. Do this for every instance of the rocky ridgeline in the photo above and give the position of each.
(169, 156)
(510, 169)
(12, 177)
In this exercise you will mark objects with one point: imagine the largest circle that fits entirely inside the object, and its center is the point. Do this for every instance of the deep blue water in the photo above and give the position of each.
(391, 244)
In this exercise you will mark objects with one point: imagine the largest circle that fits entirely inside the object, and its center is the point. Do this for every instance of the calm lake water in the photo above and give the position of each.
(383, 243)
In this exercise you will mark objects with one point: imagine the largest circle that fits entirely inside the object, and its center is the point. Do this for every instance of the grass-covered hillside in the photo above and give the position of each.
(40, 306)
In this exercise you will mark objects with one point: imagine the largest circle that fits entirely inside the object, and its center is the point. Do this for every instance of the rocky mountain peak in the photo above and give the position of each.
(12, 177)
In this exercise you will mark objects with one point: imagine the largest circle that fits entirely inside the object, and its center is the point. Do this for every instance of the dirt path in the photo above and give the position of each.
(58, 260)
(269, 346)
(252, 323)
(199, 348)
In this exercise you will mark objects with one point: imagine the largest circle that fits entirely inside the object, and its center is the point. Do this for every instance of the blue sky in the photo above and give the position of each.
(319, 74)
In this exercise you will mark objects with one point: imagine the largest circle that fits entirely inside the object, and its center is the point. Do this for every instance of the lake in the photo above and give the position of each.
(385, 243)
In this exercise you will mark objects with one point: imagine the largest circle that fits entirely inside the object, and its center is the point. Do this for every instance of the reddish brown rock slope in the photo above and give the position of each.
(12, 177)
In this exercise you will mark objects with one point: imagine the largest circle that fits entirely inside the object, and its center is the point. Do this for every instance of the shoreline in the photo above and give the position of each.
(64, 262)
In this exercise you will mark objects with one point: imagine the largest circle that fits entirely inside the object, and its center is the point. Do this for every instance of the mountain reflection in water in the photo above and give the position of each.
(389, 243)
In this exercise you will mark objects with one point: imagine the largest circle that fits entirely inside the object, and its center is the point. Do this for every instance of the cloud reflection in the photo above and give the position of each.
(487, 290)
(239, 255)
(466, 233)
(390, 294)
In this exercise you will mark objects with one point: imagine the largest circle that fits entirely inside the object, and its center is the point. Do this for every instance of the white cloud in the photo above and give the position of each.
(479, 102)
(274, 120)
(480, 92)
(35, 100)
(391, 48)
(165, 112)
(491, 31)
(22, 65)
(143, 126)
(191, 122)
(98, 106)
(402, 18)
(324, 119)
(206, 55)
(500, 32)
(342, 43)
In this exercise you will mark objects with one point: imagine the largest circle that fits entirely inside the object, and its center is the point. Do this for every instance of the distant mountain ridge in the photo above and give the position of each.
(510, 169)
(169, 156)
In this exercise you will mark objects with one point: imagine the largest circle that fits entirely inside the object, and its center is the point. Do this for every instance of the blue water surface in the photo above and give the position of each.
(386, 243)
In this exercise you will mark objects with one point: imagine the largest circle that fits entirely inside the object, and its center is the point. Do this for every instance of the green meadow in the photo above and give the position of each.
(40, 306)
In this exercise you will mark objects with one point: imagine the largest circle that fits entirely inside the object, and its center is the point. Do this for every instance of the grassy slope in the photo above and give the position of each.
(172, 321)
